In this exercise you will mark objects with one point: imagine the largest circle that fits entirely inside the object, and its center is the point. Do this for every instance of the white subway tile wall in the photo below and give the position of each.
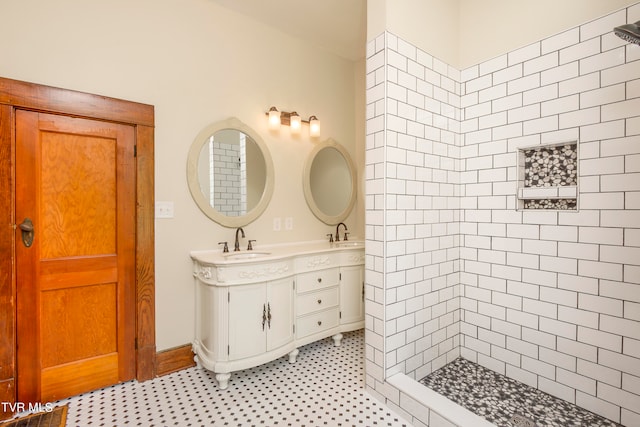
(230, 182)
(551, 299)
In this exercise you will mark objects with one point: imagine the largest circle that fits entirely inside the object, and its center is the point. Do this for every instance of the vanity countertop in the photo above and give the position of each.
(272, 252)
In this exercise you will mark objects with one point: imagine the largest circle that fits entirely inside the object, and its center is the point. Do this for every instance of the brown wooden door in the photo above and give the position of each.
(75, 181)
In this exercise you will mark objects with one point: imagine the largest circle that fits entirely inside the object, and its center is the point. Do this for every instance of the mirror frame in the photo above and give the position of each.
(194, 185)
(306, 183)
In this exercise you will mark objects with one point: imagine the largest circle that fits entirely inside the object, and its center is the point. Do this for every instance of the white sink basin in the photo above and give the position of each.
(246, 255)
(350, 244)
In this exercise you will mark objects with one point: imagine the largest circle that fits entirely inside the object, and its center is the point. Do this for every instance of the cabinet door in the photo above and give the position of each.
(246, 333)
(280, 307)
(352, 294)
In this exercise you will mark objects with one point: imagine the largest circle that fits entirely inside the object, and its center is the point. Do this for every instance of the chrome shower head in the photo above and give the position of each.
(629, 32)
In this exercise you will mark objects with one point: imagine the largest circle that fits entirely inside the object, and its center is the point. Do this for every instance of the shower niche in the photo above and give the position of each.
(548, 177)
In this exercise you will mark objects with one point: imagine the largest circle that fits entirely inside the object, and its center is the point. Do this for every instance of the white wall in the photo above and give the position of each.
(197, 63)
(466, 32)
(489, 28)
(432, 25)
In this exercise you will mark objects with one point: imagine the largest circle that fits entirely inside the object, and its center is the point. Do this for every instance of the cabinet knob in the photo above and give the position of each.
(319, 301)
(319, 322)
(319, 279)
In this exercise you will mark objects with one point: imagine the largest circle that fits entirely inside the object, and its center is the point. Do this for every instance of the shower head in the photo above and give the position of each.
(629, 32)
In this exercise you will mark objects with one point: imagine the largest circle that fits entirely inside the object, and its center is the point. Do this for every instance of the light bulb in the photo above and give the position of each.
(295, 122)
(274, 118)
(314, 126)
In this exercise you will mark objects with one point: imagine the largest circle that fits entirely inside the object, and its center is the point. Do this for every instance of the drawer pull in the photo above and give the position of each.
(319, 301)
(319, 279)
(319, 322)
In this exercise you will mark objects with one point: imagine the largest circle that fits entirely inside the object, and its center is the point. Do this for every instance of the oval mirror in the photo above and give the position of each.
(230, 173)
(329, 182)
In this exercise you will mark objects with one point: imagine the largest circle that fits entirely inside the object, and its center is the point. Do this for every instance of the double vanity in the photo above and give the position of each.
(255, 306)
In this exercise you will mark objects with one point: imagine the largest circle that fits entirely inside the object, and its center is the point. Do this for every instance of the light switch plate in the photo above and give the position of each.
(164, 209)
(288, 223)
(277, 224)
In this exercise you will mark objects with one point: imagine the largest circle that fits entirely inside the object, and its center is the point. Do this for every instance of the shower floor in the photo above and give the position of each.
(504, 401)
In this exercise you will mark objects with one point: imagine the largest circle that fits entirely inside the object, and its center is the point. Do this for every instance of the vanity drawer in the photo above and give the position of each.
(316, 301)
(317, 280)
(317, 322)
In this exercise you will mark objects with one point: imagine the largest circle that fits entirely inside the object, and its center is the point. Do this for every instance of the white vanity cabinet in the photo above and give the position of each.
(260, 318)
(254, 307)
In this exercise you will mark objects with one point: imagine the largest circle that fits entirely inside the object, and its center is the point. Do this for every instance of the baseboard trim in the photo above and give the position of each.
(174, 359)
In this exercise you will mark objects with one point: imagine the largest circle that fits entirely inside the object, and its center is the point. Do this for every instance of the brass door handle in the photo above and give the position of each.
(27, 232)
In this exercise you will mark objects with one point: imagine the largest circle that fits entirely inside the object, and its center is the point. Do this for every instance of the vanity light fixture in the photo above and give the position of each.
(292, 119)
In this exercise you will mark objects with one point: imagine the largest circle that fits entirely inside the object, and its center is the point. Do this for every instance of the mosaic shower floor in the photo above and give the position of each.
(506, 402)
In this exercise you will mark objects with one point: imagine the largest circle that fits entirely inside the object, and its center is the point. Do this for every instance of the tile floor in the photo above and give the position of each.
(323, 388)
(498, 398)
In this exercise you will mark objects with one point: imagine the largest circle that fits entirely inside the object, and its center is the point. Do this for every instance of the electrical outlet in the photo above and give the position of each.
(288, 223)
(164, 209)
(277, 224)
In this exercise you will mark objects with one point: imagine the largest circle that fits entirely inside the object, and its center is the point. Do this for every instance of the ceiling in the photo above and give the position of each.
(338, 26)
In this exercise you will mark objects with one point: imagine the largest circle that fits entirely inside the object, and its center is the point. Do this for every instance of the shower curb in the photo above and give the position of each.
(444, 407)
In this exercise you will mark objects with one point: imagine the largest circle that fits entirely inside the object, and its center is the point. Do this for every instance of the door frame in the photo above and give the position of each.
(15, 94)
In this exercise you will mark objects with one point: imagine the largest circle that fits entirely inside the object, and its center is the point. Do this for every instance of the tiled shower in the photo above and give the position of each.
(461, 262)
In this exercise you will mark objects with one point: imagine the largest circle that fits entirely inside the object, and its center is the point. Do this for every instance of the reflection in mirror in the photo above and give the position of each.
(330, 182)
(230, 173)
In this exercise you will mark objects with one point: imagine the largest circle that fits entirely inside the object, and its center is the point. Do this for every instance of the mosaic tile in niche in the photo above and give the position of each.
(557, 204)
(551, 166)
(548, 177)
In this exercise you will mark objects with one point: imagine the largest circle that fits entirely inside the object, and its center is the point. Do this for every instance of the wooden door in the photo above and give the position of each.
(75, 181)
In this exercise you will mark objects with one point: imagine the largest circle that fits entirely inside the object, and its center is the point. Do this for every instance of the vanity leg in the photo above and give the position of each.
(337, 338)
(223, 380)
(293, 355)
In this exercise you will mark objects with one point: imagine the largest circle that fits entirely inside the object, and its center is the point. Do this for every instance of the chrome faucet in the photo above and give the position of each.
(338, 231)
(236, 246)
